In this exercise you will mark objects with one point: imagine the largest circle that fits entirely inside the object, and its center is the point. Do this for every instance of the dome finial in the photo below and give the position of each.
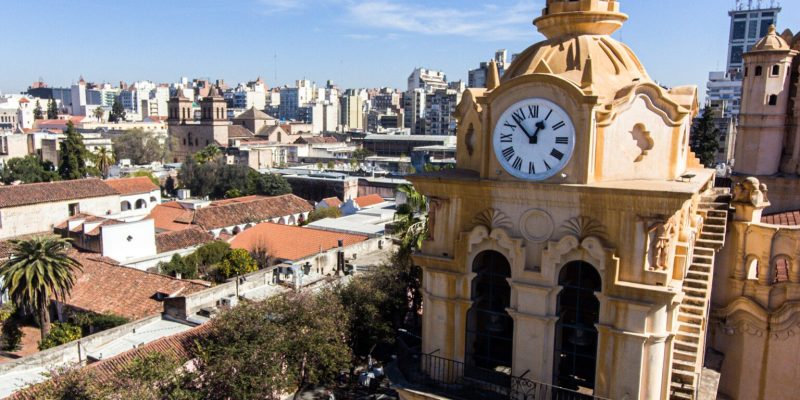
(582, 17)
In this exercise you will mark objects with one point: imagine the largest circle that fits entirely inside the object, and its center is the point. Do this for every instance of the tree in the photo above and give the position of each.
(322, 213)
(61, 333)
(705, 138)
(361, 154)
(201, 179)
(411, 219)
(237, 262)
(103, 160)
(232, 180)
(177, 265)
(371, 306)
(52, 109)
(99, 113)
(37, 111)
(117, 112)
(208, 153)
(263, 349)
(39, 269)
(207, 257)
(72, 155)
(268, 184)
(140, 147)
(148, 175)
(28, 169)
(169, 186)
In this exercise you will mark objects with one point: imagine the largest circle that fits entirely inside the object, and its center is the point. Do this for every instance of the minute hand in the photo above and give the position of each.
(519, 123)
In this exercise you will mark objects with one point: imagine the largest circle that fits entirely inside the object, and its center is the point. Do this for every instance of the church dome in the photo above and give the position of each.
(576, 32)
(771, 42)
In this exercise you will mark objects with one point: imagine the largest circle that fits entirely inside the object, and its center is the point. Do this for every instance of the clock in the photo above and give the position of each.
(534, 139)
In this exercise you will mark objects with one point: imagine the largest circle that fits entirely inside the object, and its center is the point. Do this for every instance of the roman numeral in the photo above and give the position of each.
(531, 168)
(548, 115)
(562, 140)
(557, 154)
(518, 116)
(512, 126)
(547, 166)
(559, 125)
(518, 164)
(505, 138)
(508, 153)
(533, 111)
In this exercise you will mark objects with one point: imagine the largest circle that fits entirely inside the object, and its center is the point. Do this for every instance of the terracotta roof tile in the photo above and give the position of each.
(168, 217)
(106, 288)
(36, 193)
(332, 201)
(239, 132)
(224, 214)
(789, 218)
(170, 241)
(287, 242)
(370, 200)
(129, 186)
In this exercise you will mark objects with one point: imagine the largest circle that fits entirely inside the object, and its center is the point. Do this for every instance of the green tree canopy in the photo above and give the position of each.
(322, 213)
(61, 333)
(37, 111)
(705, 138)
(140, 147)
(218, 180)
(52, 109)
(72, 154)
(117, 112)
(268, 184)
(40, 269)
(28, 169)
(361, 154)
(103, 159)
(237, 262)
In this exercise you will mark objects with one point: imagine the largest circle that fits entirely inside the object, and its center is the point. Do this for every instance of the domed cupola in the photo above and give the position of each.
(579, 45)
(771, 42)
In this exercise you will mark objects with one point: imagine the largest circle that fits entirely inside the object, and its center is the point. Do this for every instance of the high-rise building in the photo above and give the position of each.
(292, 99)
(477, 77)
(353, 109)
(421, 84)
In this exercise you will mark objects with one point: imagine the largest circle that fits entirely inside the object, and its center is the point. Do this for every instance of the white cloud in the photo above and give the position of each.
(279, 6)
(489, 22)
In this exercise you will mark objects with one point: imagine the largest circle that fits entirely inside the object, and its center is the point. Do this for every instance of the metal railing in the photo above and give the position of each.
(453, 379)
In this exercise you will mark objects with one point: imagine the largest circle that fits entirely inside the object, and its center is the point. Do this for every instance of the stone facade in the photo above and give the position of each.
(596, 278)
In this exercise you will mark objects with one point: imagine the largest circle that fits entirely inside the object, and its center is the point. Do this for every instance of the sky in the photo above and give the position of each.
(355, 43)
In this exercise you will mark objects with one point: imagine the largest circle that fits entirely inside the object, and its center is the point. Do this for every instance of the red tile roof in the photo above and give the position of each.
(170, 241)
(130, 186)
(789, 218)
(104, 287)
(288, 242)
(257, 208)
(167, 215)
(36, 193)
(332, 201)
(370, 200)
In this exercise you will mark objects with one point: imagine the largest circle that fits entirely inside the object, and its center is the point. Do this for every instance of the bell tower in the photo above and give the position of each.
(213, 108)
(180, 108)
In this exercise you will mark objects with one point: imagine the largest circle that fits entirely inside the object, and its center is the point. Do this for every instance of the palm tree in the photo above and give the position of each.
(208, 153)
(412, 218)
(39, 270)
(103, 159)
(99, 113)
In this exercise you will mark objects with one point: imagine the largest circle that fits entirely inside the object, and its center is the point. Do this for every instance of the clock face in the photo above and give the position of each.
(534, 139)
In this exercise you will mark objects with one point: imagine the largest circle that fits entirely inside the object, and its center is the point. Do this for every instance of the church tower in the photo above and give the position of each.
(573, 244)
(180, 109)
(766, 102)
(213, 108)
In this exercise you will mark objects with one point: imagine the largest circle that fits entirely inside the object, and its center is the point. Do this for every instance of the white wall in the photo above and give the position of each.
(131, 240)
(134, 213)
(36, 218)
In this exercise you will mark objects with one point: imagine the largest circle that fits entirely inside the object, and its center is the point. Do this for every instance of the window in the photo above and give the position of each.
(739, 28)
(125, 205)
(141, 204)
(490, 329)
(759, 70)
(746, 71)
(752, 30)
(736, 54)
(765, 24)
(781, 266)
(773, 100)
(776, 70)
(74, 209)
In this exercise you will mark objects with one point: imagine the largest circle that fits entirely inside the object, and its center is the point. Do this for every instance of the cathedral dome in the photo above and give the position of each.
(578, 39)
(771, 42)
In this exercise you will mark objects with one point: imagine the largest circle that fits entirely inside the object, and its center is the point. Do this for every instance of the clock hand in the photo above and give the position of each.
(539, 127)
(519, 123)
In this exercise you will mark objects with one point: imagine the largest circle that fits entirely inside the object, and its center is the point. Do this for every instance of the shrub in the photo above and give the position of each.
(237, 262)
(11, 334)
(91, 322)
(179, 265)
(60, 333)
(322, 213)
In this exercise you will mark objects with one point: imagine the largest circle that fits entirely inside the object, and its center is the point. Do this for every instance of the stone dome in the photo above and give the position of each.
(567, 57)
(771, 42)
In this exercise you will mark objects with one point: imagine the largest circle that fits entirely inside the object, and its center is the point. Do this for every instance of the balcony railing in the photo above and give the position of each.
(452, 379)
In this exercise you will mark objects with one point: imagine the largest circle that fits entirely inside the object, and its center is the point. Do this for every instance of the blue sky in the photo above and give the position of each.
(356, 43)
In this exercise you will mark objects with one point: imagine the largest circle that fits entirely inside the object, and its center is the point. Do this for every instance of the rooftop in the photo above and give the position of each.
(369, 200)
(37, 193)
(131, 186)
(182, 239)
(104, 287)
(288, 242)
(788, 218)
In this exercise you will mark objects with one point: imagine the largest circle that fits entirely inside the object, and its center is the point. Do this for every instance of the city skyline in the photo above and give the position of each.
(355, 43)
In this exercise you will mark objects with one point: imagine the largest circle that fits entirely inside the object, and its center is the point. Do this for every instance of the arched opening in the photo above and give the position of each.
(490, 330)
(773, 99)
(780, 268)
(153, 199)
(236, 230)
(759, 70)
(301, 219)
(292, 221)
(125, 205)
(752, 270)
(141, 204)
(776, 70)
(282, 221)
(576, 335)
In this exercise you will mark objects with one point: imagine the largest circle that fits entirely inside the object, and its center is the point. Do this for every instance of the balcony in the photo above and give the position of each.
(452, 379)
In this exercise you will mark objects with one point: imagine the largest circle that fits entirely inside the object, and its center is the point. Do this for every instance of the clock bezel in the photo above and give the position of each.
(507, 166)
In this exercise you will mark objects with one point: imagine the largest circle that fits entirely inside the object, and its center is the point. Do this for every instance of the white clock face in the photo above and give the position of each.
(534, 139)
